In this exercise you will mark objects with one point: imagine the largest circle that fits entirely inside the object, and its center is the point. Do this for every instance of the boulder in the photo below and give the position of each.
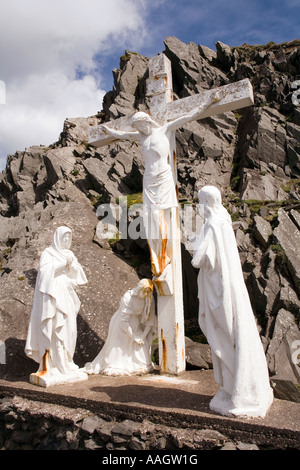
(257, 185)
(207, 53)
(262, 230)
(129, 86)
(226, 55)
(76, 131)
(198, 356)
(262, 138)
(287, 235)
(100, 174)
(285, 389)
(284, 343)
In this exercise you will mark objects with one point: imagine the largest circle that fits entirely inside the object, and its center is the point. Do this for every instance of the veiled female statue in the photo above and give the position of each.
(127, 350)
(52, 332)
(226, 317)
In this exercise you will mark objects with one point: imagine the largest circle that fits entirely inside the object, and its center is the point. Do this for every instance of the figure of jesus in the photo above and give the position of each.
(159, 181)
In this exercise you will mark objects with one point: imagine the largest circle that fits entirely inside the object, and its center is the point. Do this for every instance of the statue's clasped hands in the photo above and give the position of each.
(70, 260)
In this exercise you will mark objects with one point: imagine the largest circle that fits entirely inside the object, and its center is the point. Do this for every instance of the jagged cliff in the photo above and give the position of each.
(252, 155)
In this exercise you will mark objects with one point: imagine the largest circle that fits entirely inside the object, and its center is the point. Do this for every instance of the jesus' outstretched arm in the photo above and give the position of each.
(126, 135)
(195, 113)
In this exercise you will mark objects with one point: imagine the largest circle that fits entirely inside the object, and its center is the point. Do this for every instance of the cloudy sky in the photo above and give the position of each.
(57, 56)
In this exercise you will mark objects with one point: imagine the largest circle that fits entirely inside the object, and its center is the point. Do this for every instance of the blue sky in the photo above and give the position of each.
(233, 22)
(57, 56)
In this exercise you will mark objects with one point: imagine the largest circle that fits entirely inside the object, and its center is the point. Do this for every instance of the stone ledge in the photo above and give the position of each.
(180, 402)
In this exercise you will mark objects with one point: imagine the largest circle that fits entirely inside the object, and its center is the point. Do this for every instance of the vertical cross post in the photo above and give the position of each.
(169, 286)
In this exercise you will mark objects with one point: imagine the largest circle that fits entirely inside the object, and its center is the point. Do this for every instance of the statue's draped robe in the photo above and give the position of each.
(159, 195)
(159, 188)
(121, 355)
(227, 320)
(53, 321)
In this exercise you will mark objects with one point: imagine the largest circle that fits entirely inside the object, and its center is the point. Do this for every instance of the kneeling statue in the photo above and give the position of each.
(127, 350)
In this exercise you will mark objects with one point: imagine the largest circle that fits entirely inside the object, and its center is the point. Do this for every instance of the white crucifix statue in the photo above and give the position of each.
(156, 132)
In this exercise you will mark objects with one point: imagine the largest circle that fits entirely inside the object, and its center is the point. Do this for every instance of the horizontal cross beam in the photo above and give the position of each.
(236, 95)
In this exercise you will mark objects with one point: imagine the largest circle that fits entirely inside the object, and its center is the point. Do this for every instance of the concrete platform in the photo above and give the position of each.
(181, 401)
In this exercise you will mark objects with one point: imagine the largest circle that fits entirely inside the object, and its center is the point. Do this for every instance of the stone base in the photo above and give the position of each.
(222, 404)
(55, 378)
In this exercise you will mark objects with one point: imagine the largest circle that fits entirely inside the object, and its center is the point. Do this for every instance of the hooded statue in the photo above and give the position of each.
(226, 317)
(52, 332)
(127, 350)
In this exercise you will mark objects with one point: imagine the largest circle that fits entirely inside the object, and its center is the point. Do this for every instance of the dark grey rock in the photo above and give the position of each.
(225, 55)
(197, 355)
(91, 423)
(287, 235)
(285, 389)
(283, 344)
(262, 230)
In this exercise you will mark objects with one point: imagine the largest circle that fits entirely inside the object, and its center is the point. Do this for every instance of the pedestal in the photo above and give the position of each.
(49, 378)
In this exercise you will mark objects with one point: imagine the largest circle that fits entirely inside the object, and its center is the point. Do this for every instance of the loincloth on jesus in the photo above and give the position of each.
(159, 190)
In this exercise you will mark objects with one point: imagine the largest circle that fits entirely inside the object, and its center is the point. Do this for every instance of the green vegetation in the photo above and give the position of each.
(255, 205)
(237, 115)
(235, 216)
(126, 57)
(95, 200)
(87, 145)
(235, 182)
(115, 239)
(281, 257)
(131, 199)
(247, 50)
(288, 186)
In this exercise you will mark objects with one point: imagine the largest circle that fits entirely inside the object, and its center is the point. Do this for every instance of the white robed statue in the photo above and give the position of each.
(226, 317)
(159, 181)
(127, 350)
(52, 332)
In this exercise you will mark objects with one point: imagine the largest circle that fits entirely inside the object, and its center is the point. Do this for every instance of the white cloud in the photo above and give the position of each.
(35, 112)
(43, 45)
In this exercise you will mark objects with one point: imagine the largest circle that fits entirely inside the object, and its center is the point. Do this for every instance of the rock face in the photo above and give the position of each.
(252, 155)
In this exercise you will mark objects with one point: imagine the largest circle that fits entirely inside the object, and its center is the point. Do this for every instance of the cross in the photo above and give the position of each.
(168, 115)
